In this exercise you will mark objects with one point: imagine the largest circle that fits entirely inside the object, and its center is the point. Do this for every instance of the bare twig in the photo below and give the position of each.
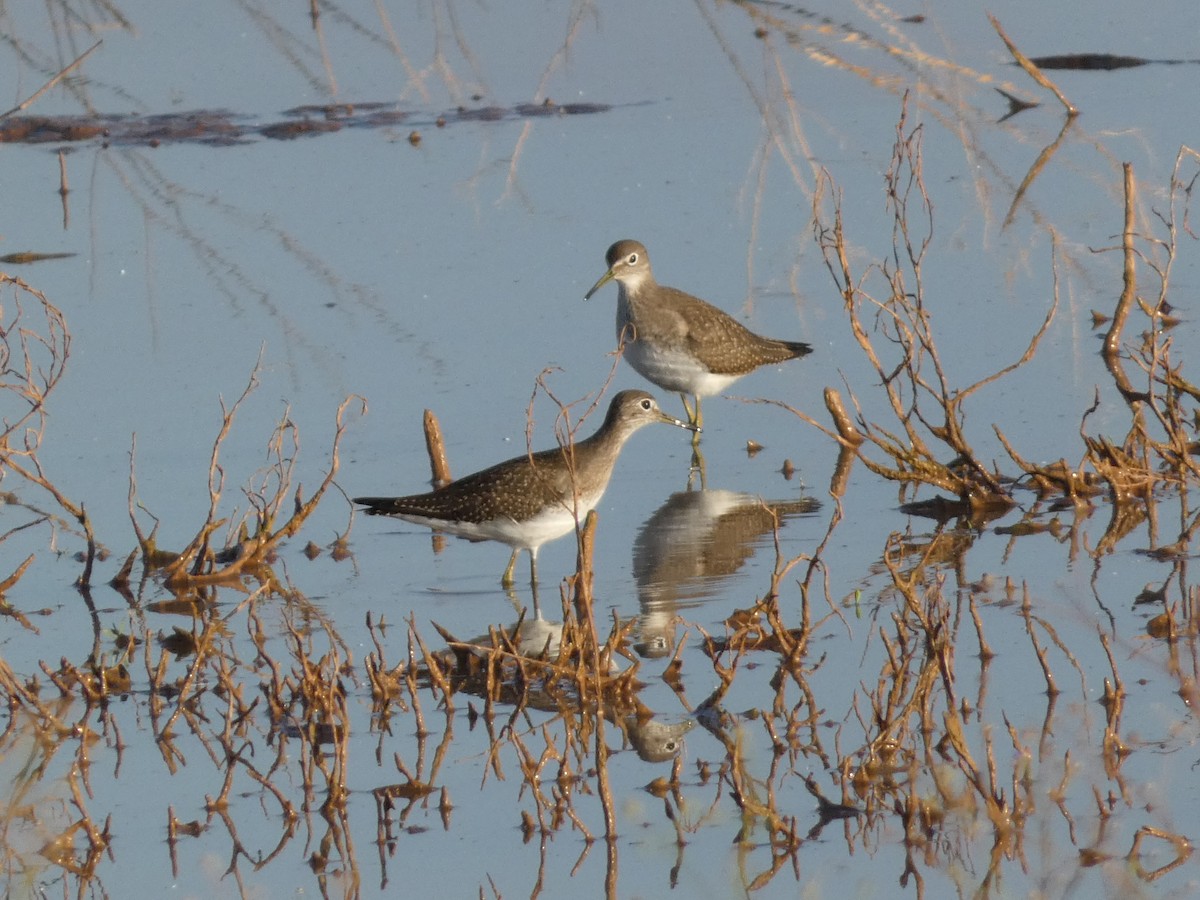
(1030, 69)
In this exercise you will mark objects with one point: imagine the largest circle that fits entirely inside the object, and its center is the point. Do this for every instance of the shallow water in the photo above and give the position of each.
(448, 273)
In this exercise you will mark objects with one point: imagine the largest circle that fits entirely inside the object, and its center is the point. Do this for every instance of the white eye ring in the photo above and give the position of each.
(647, 404)
(631, 259)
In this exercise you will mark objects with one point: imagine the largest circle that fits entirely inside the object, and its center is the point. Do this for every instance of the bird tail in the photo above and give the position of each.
(377, 506)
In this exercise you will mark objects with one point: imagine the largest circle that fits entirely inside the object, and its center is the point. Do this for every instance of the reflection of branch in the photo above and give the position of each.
(1183, 850)
(1029, 351)
(1035, 170)
(12, 579)
(1112, 340)
(24, 104)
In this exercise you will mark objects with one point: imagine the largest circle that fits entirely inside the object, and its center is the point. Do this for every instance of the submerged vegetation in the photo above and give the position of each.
(256, 692)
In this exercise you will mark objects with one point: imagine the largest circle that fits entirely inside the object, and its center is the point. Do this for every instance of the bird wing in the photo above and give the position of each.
(727, 354)
(516, 488)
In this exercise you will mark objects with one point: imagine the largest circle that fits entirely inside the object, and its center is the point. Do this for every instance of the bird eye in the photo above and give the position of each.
(631, 259)
(647, 404)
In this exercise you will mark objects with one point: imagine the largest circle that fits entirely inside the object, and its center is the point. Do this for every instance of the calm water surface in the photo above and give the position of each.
(418, 264)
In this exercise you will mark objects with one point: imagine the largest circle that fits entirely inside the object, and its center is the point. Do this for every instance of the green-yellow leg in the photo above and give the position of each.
(696, 418)
(506, 580)
(687, 408)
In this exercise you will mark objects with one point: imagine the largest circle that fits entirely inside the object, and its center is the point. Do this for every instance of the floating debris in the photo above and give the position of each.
(219, 127)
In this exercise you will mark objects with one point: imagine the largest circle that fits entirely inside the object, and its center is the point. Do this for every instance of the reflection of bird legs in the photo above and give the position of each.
(513, 599)
(699, 467)
(520, 608)
(537, 609)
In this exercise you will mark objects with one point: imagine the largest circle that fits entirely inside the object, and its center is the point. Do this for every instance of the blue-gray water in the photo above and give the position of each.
(449, 274)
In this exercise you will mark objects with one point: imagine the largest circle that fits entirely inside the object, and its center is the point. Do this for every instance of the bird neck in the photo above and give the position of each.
(634, 284)
(606, 442)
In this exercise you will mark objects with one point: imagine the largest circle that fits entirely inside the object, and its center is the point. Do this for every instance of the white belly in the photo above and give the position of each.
(665, 362)
(674, 370)
(552, 522)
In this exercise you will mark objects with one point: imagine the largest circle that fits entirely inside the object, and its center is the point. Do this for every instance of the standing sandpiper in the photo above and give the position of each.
(677, 341)
(533, 498)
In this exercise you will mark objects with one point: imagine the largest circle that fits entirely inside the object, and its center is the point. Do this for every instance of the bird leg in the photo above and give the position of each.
(506, 580)
(533, 582)
(687, 408)
(693, 418)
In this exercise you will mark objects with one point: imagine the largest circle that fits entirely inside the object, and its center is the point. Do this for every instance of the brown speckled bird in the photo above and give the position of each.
(677, 341)
(529, 500)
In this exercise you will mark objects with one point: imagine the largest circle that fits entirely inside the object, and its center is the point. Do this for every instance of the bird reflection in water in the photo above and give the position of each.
(654, 738)
(690, 544)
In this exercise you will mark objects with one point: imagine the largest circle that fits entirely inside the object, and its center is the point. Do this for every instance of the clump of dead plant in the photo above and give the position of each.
(927, 444)
(276, 508)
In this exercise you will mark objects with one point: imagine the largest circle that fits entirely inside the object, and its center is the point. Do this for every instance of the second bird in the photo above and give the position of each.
(532, 498)
(680, 342)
